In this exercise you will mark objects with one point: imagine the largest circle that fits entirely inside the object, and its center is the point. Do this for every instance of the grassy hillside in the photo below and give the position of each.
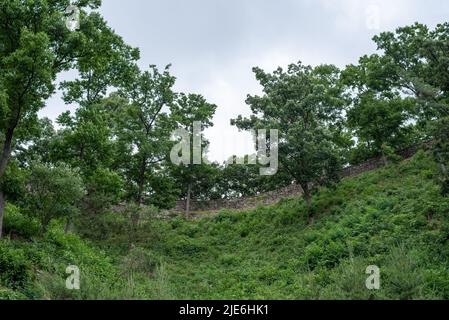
(394, 218)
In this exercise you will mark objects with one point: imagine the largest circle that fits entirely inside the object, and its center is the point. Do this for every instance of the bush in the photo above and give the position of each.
(104, 189)
(348, 281)
(15, 268)
(140, 260)
(403, 275)
(229, 260)
(53, 192)
(187, 246)
(17, 224)
(8, 294)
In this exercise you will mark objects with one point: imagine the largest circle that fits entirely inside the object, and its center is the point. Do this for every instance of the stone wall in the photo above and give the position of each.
(273, 197)
(266, 198)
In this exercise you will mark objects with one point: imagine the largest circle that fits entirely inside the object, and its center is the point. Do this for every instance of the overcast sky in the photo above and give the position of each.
(213, 44)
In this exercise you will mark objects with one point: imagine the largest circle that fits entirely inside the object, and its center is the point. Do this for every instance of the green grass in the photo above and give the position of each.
(394, 218)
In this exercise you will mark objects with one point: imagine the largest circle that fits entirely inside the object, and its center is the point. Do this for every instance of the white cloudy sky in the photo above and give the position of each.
(213, 44)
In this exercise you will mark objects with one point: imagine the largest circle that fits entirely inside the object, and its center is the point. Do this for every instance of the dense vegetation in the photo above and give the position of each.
(90, 189)
(393, 218)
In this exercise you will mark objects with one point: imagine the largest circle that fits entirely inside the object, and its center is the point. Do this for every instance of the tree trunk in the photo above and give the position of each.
(2, 208)
(133, 231)
(6, 151)
(4, 157)
(141, 183)
(444, 173)
(385, 159)
(308, 199)
(67, 226)
(189, 193)
(43, 229)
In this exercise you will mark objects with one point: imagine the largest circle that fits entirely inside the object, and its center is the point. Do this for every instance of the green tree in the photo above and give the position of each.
(380, 123)
(53, 192)
(107, 63)
(194, 179)
(420, 56)
(35, 46)
(237, 180)
(104, 189)
(417, 59)
(411, 69)
(142, 132)
(14, 182)
(305, 104)
(38, 147)
(135, 215)
(194, 182)
(85, 140)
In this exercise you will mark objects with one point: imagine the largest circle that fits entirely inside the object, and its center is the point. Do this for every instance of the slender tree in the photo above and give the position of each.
(194, 178)
(304, 104)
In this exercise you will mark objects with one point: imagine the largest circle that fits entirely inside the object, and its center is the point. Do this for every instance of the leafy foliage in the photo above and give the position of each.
(305, 105)
(53, 192)
(105, 174)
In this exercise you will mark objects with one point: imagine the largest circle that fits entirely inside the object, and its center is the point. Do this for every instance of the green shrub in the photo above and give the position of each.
(8, 294)
(403, 274)
(187, 246)
(15, 223)
(228, 260)
(141, 260)
(267, 253)
(15, 268)
(53, 192)
(348, 281)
